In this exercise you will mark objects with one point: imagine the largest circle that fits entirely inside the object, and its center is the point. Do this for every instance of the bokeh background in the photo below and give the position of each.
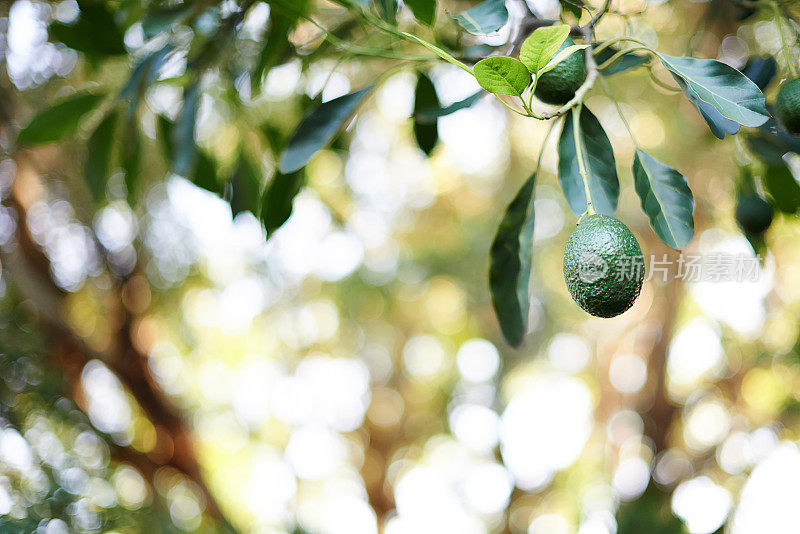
(167, 368)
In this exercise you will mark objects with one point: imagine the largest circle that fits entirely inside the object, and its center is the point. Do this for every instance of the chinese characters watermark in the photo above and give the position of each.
(687, 267)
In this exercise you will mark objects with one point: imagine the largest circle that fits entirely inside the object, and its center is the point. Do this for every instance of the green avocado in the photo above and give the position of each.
(603, 266)
(558, 86)
(753, 214)
(787, 106)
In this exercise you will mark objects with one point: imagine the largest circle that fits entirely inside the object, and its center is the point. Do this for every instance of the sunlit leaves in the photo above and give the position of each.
(275, 46)
(502, 75)
(317, 129)
(53, 123)
(510, 265)
(540, 46)
(733, 97)
(95, 33)
(666, 199)
(98, 160)
(782, 186)
(276, 204)
(423, 10)
(426, 129)
(487, 17)
(598, 157)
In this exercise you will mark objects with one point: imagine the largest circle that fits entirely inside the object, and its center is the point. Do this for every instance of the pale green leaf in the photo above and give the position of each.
(540, 46)
(502, 75)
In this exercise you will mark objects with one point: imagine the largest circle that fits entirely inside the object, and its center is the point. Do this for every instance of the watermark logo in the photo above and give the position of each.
(591, 267)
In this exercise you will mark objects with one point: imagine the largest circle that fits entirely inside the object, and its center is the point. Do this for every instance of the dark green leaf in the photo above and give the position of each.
(131, 155)
(487, 17)
(573, 7)
(205, 173)
(666, 199)
(761, 70)
(184, 148)
(718, 124)
(782, 186)
(95, 33)
(275, 47)
(510, 265)
(431, 114)
(730, 92)
(771, 142)
(164, 136)
(425, 132)
(423, 10)
(598, 157)
(161, 19)
(276, 206)
(245, 187)
(388, 9)
(317, 129)
(145, 73)
(540, 46)
(627, 61)
(502, 75)
(98, 159)
(55, 122)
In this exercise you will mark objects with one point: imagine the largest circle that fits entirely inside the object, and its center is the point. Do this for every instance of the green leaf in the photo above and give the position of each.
(561, 56)
(145, 73)
(761, 70)
(205, 173)
(502, 75)
(423, 10)
(510, 265)
(487, 17)
(184, 149)
(627, 61)
(425, 132)
(59, 120)
(782, 186)
(388, 10)
(666, 199)
(598, 156)
(95, 33)
(540, 46)
(317, 129)
(98, 159)
(276, 46)
(573, 7)
(718, 124)
(730, 92)
(276, 205)
(245, 187)
(431, 114)
(771, 142)
(131, 155)
(164, 136)
(161, 19)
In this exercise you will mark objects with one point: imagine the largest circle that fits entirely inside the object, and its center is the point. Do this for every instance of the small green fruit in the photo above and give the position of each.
(603, 266)
(787, 105)
(753, 214)
(558, 86)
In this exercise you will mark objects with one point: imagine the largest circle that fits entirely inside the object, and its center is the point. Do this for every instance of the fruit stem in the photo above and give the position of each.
(576, 129)
(784, 45)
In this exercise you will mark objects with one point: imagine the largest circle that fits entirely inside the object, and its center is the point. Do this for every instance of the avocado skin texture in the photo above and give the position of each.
(787, 106)
(753, 214)
(609, 239)
(558, 86)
